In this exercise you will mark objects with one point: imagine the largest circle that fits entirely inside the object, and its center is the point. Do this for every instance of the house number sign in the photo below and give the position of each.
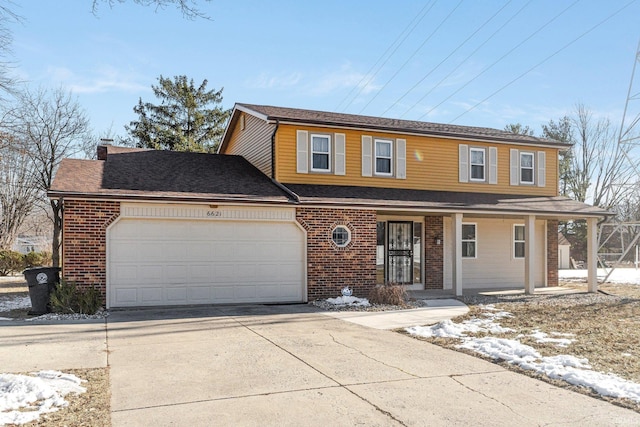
(214, 214)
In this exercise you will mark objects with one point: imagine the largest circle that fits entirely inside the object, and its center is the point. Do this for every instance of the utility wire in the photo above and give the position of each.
(502, 57)
(368, 76)
(411, 57)
(547, 58)
(448, 56)
(467, 58)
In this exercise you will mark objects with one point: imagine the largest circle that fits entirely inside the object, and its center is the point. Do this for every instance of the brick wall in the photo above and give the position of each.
(330, 268)
(433, 252)
(84, 241)
(552, 253)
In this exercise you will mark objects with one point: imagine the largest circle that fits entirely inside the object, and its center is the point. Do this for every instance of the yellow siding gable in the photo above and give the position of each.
(432, 164)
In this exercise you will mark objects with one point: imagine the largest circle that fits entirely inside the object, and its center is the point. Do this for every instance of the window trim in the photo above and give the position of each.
(376, 156)
(327, 153)
(333, 238)
(475, 240)
(514, 242)
(533, 167)
(484, 164)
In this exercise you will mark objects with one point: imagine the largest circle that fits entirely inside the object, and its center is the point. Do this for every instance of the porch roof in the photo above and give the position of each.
(443, 201)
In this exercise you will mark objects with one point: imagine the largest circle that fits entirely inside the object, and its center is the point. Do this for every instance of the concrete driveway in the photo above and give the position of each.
(290, 365)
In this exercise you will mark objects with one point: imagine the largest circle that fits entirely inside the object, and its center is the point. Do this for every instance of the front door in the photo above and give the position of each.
(400, 252)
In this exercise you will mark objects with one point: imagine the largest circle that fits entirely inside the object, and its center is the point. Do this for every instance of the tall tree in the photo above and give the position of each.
(519, 129)
(50, 126)
(188, 118)
(562, 131)
(18, 192)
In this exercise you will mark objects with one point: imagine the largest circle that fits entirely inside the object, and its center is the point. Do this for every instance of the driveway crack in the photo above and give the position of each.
(372, 358)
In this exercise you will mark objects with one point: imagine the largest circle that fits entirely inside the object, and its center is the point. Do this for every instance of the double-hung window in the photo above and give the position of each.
(518, 241)
(383, 157)
(477, 163)
(320, 153)
(526, 168)
(469, 241)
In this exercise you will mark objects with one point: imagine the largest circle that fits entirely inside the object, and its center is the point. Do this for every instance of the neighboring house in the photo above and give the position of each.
(299, 204)
(26, 244)
(564, 251)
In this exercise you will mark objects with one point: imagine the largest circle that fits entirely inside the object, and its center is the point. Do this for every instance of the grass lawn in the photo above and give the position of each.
(605, 328)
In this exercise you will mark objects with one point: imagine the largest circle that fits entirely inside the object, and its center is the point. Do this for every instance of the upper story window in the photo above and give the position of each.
(526, 168)
(469, 240)
(383, 157)
(320, 153)
(477, 163)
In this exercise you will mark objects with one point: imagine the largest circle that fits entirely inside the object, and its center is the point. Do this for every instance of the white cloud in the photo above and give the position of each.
(105, 79)
(265, 81)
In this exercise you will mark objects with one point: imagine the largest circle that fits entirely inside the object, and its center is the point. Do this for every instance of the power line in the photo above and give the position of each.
(412, 55)
(502, 57)
(467, 58)
(448, 56)
(421, 15)
(547, 58)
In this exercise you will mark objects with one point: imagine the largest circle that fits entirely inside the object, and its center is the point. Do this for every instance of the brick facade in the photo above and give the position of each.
(84, 241)
(552, 252)
(330, 268)
(433, 252)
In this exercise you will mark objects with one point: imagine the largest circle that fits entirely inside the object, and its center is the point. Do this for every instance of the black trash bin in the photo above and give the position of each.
(41, 281)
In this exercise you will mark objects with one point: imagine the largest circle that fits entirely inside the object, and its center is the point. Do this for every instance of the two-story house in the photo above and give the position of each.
(299, 204)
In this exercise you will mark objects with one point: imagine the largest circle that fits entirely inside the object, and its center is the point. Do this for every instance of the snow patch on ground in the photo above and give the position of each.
(24, 398)
(14, 303)
(571, 369)
(619, 275)
(349, 300)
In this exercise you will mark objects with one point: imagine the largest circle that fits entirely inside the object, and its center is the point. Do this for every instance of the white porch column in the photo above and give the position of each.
(456, 252)
(529, 254)
(592, 254)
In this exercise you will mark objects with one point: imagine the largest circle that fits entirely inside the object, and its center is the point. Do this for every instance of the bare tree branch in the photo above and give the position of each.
(188, 8)
(51, 126)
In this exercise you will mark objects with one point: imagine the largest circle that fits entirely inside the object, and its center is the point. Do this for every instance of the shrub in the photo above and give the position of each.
(37, 259)
(388, 294)
(10, 262)
(67, 298)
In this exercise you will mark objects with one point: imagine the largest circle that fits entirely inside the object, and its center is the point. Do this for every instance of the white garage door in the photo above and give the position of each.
(175, 261)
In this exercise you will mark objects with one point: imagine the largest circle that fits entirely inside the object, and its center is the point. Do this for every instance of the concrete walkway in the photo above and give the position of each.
(436, 311)
(290, 365)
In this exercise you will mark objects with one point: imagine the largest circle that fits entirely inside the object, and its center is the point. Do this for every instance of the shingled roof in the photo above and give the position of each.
(152, 174)
(297, 115)
(443, 201)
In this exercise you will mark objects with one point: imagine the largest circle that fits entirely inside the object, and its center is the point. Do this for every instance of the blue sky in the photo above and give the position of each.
(323, 54)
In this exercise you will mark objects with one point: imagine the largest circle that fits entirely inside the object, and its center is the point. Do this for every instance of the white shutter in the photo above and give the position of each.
(401, 158)
(367, 156)
(514, 178)
(302, 157)
(493, 165)
(340, 167)
(463, 162)
(542, 168)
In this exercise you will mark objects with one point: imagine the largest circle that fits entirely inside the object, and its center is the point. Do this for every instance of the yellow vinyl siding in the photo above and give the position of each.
(254, 142)
(432, 164)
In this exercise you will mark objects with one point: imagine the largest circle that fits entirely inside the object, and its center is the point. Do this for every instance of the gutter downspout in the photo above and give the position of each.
(273, 150)
(293, 196)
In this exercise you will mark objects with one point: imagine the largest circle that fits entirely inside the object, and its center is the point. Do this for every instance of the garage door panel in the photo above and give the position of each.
(176, 295)
(173, 262)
